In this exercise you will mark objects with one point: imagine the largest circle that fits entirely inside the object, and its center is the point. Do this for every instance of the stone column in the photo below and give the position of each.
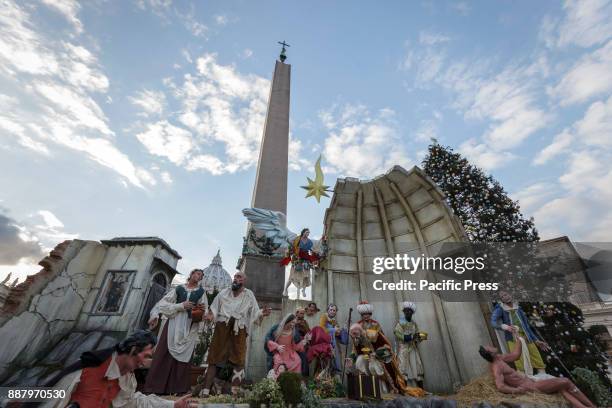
(265, 275)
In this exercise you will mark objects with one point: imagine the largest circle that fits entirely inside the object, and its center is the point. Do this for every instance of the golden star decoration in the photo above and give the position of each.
(316, 188)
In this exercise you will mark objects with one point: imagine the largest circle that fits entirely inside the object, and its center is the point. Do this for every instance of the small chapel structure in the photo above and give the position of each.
(88, 295)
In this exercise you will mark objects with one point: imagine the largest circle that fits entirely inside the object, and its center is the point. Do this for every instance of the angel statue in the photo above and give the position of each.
(301, 252)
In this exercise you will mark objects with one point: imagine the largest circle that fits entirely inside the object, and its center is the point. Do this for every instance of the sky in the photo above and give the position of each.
(144, 118)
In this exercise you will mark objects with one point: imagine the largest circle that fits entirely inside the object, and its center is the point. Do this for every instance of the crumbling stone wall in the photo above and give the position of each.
(44, 308)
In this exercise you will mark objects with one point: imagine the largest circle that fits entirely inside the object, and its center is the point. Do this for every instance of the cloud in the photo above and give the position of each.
(24, 243)
(533, 196)
(582, 206)
(507, 99)
(483, 155)
(427, 131)
(584, 190)
(589, 77)
(360, 143)
(462, 7)
(166, 140)
(593, 129)
(586, 23)
(48, 229)
(160, 8)
(170, 13)
(16, 243)
(221, 19)
(69, 9)
(559, 145)
(296, 159)
(246, 53)
(52, 99)
(150, 101)
(429, 38)
(219, 123)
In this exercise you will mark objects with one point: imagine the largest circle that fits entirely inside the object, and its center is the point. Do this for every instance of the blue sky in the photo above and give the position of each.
(138, 118)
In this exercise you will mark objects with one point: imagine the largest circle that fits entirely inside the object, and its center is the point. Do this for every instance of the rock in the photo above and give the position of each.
(66, 307)
(47, 377)
(16, 350)
(106, 342)
(88, 343)
(57, 287)
(442, 403)
(14, 379)
(63, 349)
(31, 376)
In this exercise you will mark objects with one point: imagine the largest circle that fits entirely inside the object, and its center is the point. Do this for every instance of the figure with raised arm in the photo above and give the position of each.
(512, 320)
(510, 381)
(105, 378)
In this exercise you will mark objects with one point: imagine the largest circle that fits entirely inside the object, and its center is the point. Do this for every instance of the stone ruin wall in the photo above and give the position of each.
(45, 307)
(47, 321)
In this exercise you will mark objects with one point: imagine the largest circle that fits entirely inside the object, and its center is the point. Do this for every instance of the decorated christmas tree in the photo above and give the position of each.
(480, 202)
(488, 214)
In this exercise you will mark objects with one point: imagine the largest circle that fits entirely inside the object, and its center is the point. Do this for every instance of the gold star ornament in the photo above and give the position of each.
(315, 188)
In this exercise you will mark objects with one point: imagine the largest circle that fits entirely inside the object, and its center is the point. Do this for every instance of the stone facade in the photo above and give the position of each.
(52, 317)
(585, 295)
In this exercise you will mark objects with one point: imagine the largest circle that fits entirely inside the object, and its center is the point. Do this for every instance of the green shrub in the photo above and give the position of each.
(266, 392)
(291, 386)
(590, 383)
(309, 398)
(225, 399)
(327, 387)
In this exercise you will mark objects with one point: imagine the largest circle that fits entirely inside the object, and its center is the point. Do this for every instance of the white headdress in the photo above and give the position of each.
(409, 305)
(289, 317)
(365, 307)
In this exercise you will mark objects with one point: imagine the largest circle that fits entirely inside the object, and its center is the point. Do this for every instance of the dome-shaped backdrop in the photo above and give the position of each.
(215, 277)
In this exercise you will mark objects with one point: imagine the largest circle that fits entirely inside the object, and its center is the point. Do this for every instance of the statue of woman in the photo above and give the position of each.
(283, 344)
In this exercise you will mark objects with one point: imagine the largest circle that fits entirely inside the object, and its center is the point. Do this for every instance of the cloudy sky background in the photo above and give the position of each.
(140, 118)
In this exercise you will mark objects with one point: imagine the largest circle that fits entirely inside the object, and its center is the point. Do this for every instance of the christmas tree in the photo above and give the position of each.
(480, 202)
(488, 214)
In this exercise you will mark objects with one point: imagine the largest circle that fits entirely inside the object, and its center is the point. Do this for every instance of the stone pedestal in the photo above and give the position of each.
(266, 278)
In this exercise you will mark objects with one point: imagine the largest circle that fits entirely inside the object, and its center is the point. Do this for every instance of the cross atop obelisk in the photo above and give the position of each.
(283, 54)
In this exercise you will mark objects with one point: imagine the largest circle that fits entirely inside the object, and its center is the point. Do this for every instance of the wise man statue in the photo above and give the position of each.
(408, 338)
(182, 310)
(384, 352)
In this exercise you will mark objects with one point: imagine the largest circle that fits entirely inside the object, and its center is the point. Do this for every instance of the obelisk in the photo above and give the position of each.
(265, 275)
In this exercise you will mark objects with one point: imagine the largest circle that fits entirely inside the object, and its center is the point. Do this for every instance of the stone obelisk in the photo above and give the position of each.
(265, 275)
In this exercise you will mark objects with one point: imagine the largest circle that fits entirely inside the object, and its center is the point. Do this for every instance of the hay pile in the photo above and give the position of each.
(483, 389)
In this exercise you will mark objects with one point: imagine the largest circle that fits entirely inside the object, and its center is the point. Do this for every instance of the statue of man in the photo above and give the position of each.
(384, 352)
(509, 317)
(510, 381)
(170, 369)
(234, 310)
(407, 334)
